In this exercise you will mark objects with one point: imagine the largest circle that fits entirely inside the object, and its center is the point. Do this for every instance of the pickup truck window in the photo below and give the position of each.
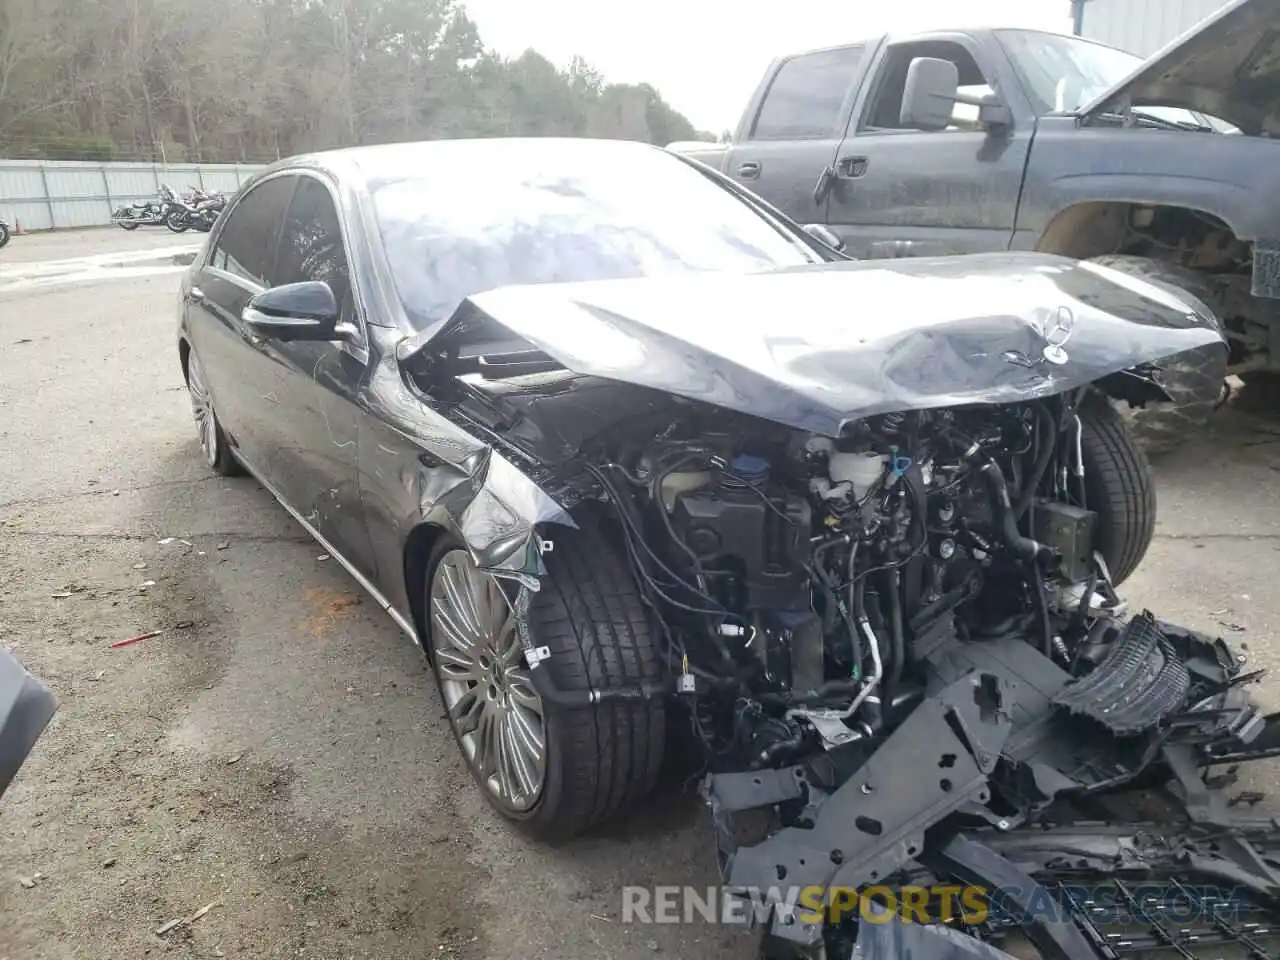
(803, 101)
(883, 111)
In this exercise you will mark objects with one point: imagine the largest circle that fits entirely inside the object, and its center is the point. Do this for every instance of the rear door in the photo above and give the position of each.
(906, 192)
(240, 264)
(795, 128)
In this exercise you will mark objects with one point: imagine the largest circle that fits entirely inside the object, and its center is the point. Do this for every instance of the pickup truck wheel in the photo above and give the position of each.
(556, 770)
(1193, 379)
(1118, 487)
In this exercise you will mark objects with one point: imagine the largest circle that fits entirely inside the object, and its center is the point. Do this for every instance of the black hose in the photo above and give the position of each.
(899, 641)
(1041, 602)
(1047, 435)
(1022, 547)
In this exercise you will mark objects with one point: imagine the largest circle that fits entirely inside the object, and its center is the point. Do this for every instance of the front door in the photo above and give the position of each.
(904, 192)
(316, 409)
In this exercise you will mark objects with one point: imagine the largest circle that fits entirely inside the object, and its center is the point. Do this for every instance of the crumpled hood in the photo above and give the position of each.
(818, 347)
(1229, 67)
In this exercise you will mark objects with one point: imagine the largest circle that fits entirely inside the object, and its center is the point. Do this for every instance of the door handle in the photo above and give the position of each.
(850, 168)
(749, 170)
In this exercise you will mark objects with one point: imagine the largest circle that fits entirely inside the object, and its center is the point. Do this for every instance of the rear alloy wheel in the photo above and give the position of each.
(554, 766)
(213, 442)
(1194, 379)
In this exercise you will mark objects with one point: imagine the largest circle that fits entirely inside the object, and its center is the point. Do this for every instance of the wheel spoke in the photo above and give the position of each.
(467, 712)
(456, 666)
(485, 757)
(520, 688)
(458, 635)
(460, 600)
(526, 758)
(527, 726)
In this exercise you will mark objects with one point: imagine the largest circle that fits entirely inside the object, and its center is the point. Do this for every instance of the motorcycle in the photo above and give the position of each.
(149, 213)
(5, 233)
(198, 209)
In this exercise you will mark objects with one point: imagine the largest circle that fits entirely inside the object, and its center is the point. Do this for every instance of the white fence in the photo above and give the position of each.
(57, 194)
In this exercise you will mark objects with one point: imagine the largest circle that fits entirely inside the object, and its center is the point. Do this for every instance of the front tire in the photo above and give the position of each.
(596, 761)
(4, 234)
(1118, 487)
(176, 220)
(1194, 379)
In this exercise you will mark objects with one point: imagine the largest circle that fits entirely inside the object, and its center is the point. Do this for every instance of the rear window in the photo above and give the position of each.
(476, 218)
(804, 100)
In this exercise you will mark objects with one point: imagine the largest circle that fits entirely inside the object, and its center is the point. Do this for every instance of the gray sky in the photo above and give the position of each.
(706, 56)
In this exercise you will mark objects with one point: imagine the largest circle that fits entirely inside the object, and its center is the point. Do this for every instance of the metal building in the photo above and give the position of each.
(1140, 26)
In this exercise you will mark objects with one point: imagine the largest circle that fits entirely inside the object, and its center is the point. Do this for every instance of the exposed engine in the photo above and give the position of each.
(805, 580)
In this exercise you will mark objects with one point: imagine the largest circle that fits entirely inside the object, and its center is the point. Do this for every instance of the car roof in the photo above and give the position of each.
(379, 161)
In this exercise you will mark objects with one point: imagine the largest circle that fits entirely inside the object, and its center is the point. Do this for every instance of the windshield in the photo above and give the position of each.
(487, 215)
(1063, 74)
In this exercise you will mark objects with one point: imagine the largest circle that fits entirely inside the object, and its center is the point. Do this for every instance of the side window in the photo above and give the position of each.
(803, 101)
(884, 110)
(246, 245)
(311, 244)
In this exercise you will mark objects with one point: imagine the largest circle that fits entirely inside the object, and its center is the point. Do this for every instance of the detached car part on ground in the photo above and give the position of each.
(26, 707)
(853, 529)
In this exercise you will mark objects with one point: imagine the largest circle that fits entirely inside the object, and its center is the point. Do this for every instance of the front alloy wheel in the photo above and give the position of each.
(495, 711)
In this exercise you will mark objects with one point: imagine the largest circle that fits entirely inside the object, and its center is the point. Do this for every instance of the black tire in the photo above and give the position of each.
(4, 234)
(1193, 379)
(604, 758)
(1118, 486)
(176, 220)
(127, 225)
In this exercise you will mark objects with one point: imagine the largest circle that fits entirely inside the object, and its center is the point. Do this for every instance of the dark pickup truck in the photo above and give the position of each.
(962, 141)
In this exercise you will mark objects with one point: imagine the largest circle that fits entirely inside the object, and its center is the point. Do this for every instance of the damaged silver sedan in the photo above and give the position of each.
(638, 461)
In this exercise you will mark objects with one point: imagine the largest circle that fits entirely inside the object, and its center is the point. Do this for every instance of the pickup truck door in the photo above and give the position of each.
(792, 127)
(904, 192)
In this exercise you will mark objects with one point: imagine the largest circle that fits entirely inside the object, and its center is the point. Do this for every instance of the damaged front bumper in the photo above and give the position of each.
(1037, 793)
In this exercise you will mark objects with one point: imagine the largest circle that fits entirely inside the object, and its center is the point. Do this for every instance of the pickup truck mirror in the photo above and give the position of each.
(932, 91)
(930, 94)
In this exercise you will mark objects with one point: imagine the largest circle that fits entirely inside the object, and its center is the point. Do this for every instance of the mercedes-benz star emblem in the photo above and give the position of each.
(1056, 336)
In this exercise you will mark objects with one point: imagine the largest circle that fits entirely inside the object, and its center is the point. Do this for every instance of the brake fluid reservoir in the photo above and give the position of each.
(859, 469)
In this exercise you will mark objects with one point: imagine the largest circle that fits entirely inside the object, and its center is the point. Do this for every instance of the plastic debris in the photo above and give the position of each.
(182, 921)
(323, 556)
(27, 883)
(236, 759)
(131, 640)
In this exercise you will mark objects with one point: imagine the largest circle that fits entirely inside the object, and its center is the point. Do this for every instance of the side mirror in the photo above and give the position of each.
(930, 94)
(295, 311)
(824, 234)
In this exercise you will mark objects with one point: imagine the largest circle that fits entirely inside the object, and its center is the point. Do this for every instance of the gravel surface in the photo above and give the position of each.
(278, 751)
